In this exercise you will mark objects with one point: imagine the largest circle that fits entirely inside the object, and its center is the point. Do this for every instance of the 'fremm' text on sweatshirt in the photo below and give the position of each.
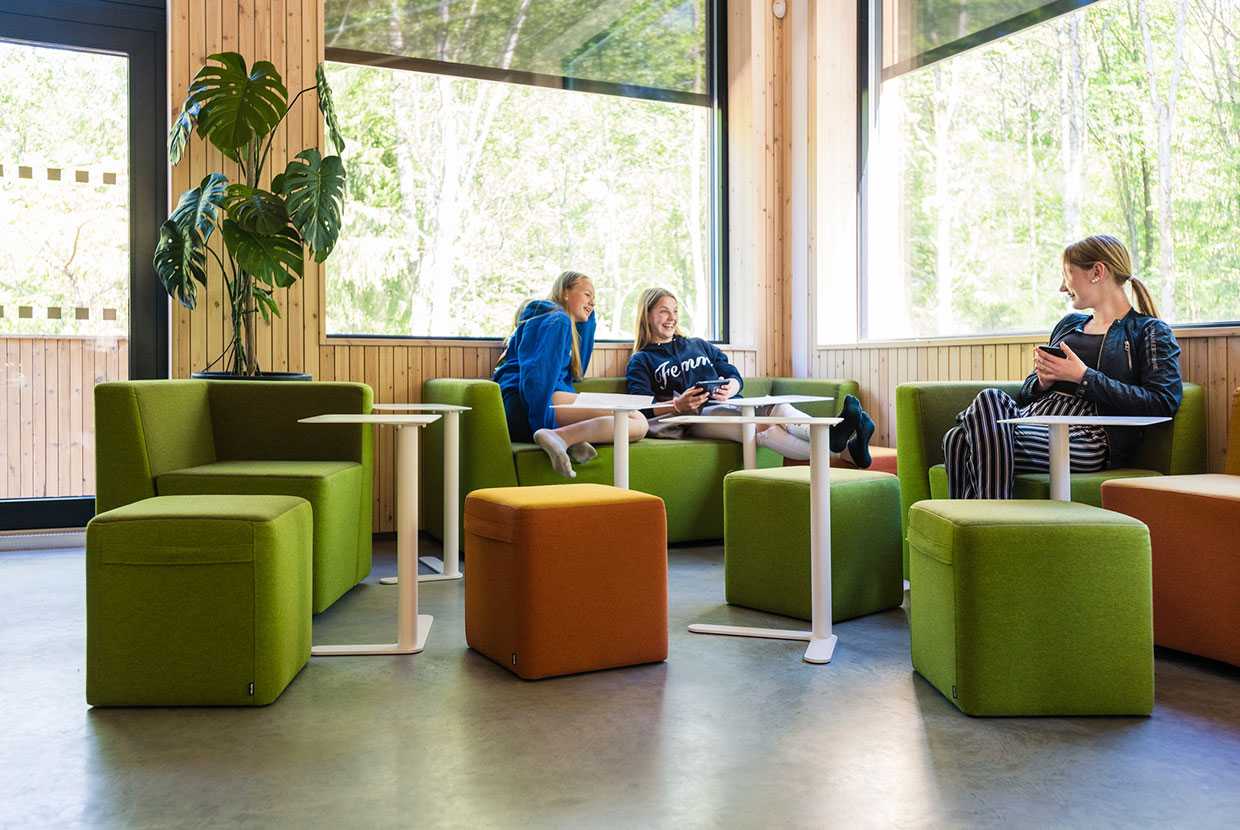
(667, 369)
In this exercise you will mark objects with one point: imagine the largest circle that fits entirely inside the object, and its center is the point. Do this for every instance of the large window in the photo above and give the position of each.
(494, 144)
(999, 138)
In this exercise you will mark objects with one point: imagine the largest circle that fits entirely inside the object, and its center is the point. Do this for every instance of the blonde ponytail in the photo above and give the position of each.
(1145, 302)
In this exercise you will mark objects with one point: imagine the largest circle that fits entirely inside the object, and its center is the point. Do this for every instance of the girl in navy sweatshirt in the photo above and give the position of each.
(667, 365)
(548, 350)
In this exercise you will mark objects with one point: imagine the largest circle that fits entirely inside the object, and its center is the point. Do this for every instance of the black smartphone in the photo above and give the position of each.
(1055, 350)
(709, 386)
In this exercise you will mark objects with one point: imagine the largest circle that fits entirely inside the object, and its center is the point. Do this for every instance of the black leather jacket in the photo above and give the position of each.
(1138, 374)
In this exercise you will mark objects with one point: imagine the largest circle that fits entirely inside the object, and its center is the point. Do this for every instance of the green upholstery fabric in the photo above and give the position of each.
(147, 429)
(333, 490)
(1085, 488)
(767, 541)
(694, 502)
(201, 600)
(1032, 607)
(144, 428)
(926, 410)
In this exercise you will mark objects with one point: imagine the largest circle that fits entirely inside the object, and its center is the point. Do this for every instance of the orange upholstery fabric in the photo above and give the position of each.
(565, 578)
(882, 460)
(1194, 526)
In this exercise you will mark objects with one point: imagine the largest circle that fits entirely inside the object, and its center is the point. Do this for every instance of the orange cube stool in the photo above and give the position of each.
(565, 578)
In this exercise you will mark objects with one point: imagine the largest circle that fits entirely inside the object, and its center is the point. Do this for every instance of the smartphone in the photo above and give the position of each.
(1055, 350)
(709, 386)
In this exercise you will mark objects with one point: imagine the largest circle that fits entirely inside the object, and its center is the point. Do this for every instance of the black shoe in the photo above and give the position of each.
(859, 444)
(851, 413)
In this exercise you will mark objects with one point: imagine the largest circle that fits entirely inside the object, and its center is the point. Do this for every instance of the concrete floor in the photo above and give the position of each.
(727, 733)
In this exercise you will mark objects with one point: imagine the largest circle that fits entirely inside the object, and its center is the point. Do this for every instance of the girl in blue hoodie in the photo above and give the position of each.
(548, 350)
(667, 365)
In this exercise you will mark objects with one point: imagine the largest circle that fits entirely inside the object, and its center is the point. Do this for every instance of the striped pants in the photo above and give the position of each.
(982, 455)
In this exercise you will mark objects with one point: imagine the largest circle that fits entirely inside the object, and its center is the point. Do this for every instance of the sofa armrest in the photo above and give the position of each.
(1177, 448)
(486, 450)
(834, 388)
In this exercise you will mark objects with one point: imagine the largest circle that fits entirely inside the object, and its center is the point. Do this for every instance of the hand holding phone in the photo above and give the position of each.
(1055, 350)
(709, 386)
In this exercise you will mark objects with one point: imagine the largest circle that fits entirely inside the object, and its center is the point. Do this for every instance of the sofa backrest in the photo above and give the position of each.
(254, 419)
(1177, 448)
(143, 429)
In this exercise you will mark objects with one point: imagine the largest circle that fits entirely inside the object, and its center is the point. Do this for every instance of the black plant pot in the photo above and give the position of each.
(269, 376)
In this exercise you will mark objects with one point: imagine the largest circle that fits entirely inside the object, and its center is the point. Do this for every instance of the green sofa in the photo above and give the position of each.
(926, 410)
(195, 437)
(687, 475)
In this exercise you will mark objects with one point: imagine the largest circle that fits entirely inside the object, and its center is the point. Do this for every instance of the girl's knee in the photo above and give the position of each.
(638, 426)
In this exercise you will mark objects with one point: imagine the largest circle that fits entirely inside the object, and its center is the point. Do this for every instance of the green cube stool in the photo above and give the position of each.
(1032, 607)
(766, 541)
(197, 600)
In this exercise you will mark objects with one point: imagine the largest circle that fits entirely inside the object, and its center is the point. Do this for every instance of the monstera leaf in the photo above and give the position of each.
(328, 109)
(267, 305)
(237, 104)
(181, 253)
(272, 258)
(178, 136)
(256, 210)
(313, 189)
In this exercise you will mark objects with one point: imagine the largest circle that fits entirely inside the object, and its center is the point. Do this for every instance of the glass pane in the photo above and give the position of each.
(659, 43)
(987, 164)
(64, 260)
(914, 27)
(467, 197)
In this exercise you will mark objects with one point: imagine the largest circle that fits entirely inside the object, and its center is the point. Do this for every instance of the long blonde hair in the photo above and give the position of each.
(559, 289)
(1111, 252)
(644, 335)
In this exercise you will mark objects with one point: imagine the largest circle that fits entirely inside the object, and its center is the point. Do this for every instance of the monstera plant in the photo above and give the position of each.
(265, 231)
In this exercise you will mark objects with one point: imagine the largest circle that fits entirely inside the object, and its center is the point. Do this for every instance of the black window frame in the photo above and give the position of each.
(136, 29)
(715, 98)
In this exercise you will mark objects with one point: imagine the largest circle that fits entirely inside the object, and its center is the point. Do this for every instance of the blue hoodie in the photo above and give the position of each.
(667, 369)
(537, 361)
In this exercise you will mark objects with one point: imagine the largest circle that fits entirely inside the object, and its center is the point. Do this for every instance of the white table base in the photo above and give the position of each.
(821, 639)
(412, 628)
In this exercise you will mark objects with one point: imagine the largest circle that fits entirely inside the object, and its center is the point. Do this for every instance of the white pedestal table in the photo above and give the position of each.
(451, 489)
(821, 640)
(1060, 457)
(412, 628)
(749, 409)
(619, 439)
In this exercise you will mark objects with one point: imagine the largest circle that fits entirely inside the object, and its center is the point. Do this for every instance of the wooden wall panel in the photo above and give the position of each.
(1212, 361)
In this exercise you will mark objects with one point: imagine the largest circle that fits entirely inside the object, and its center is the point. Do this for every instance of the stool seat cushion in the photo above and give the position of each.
(1194, 523)
(565, 578)
(767, 541)
(197, 600)
(1031, 607)
(333, 489)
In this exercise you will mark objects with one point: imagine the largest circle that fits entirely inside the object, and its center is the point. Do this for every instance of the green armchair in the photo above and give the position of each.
(686, 474)
(194, 437)
(925, 411)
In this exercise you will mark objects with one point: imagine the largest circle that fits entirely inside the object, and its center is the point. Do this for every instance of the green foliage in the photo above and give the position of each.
(273, 258)
(236, 105)
(328, 108)
(238, 110)
(313, 186)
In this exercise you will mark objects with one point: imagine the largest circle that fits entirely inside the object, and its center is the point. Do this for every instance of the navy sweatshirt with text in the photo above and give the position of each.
(667, 369)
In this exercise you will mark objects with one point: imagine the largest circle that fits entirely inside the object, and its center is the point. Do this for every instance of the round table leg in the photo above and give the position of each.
(822, 641)
(749, 439)
(1061, 463)
(620, 450)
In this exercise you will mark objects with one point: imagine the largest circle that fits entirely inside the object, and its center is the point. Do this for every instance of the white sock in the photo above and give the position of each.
(582, 451)
(799, 431)
(556, 450)
(789, 446)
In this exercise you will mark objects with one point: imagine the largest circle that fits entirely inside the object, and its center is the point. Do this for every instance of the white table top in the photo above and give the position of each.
(769, 400)
(604, 407)
(358, 418)
(751, 419)
(419, 407)
(1088, 420)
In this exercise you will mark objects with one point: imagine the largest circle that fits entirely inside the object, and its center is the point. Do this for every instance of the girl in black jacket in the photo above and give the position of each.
(666, 364)
(1117, 361)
